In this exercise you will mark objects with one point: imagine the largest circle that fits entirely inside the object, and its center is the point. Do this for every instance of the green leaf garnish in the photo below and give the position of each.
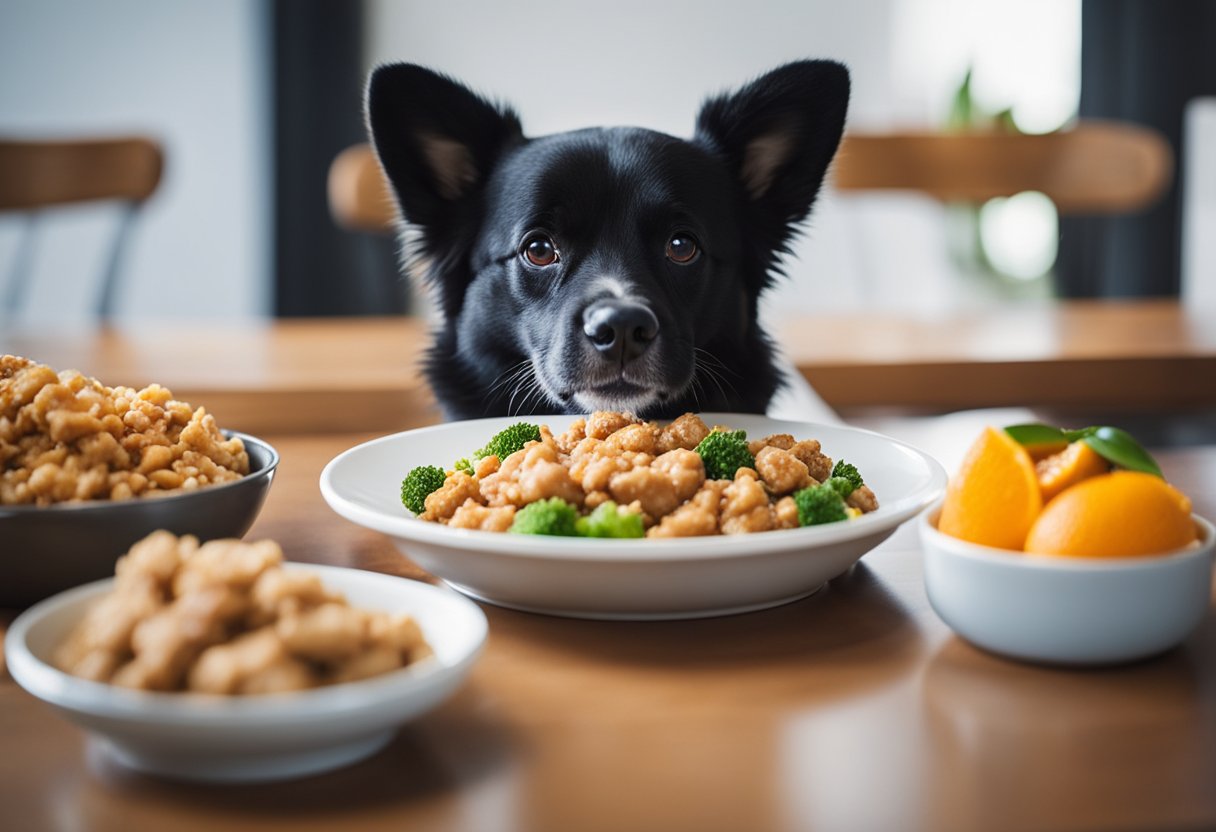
(1119, 447)
(1112, 444)
(1036, 434)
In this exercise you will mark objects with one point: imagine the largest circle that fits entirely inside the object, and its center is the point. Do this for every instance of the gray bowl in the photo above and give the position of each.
(46, 549)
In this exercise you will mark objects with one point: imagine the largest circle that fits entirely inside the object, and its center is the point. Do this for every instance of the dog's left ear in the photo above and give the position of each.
(778, 134)
(437, 140)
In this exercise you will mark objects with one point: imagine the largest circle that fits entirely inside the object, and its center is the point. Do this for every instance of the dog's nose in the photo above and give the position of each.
(620, 329)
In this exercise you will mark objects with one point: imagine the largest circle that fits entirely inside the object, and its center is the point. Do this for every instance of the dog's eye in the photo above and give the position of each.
(682, 248)
(539, 250)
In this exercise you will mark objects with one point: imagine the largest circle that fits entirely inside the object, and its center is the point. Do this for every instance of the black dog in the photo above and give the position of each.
(608, 268)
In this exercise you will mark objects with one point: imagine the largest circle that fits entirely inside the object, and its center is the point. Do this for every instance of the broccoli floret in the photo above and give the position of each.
(724, 453)
(463, 464)
(418, 484)
(842, 485)
(819, 504)
(553, 516)
(610, 521)
(509, 440)
(850, 473)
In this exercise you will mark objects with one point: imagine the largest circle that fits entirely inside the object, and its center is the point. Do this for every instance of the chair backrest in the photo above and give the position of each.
(35, 175)
(1093, 168)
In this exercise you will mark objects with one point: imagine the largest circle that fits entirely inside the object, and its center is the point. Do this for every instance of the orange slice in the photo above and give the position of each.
(1121, 514)
(1076, 462)
(994, 499)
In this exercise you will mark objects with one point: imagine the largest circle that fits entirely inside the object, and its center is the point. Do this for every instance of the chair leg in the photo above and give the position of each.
(109, 281)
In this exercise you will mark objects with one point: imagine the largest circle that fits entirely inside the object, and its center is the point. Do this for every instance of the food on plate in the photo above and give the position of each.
(225, 617)
(1092, 492)
(610, 520)
(612, 475)
(420, 482)
(66, 437)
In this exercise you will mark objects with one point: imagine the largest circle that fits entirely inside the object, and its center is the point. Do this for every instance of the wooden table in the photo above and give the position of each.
(855, 709)
(302, 376)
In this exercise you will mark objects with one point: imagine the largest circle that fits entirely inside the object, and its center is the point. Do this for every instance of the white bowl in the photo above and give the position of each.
(1067, 610)
(251, 738)
(630, 579)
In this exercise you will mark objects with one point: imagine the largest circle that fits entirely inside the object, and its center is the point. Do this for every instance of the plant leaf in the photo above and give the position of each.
(1037, 434)
(1119, 447)
(1077, 435)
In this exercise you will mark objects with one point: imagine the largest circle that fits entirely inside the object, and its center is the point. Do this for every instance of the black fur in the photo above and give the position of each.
(511, 339)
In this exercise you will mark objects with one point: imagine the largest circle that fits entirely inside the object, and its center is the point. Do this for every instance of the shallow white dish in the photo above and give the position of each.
(252, 738)
(630, 579)
(1067, 610)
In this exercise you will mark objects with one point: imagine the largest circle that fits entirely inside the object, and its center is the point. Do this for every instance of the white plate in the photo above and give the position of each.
(250, 738)
(630, 579)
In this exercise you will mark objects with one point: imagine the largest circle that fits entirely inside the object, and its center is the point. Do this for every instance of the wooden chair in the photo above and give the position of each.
(36, 175)
(1093, 168)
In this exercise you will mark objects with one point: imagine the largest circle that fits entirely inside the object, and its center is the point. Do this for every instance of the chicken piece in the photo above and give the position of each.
(685, 432)
(530, 474)
(222, 668)
(784, 441)
(155, 557)
(283, 676)
(279, 592)
(604, 423)
(574, 434)
(595, 468)
(745, 505)
(327, 633)
(166, 644)
(684, 469)
(487, 465)
(401, 633)
(231, 563)
(818, 464)
(863, 499)
(651, 488)
(697, 517)
(785, 513)
(781, 471)
(367, 663)
(104, 635)
(473, 515)
(639, 438)
(458, 488)
(546, 438)
(595, 499)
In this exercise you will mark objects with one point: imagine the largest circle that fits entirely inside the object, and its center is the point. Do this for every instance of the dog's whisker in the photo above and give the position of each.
(527, 389)
(713, 361)
(508, 376)
(515, 391)
(539, 393)
(713, 376)
(694, 386)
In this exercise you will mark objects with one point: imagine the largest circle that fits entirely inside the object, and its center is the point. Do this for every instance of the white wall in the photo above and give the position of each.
(651, 62)
(566, 65)
(193, 74)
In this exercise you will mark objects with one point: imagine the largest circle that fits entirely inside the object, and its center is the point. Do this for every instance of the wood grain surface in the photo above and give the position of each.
(855, 709)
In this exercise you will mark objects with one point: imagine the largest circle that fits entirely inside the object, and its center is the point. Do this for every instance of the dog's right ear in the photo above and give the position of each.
(437, 140)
